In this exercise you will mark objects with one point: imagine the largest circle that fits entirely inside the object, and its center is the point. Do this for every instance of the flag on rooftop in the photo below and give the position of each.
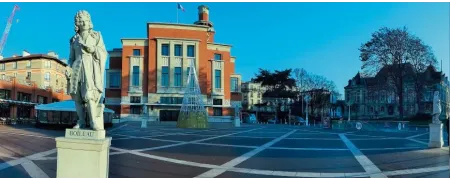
(180, 7)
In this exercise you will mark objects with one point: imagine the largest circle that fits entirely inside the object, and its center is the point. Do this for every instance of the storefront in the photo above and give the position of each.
(64, 113)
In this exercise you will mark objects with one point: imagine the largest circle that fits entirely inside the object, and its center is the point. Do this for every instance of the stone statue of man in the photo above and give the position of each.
(436, 108)
(87, 62)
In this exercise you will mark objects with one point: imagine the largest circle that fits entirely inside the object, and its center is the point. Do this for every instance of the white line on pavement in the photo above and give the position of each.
(307, 149)
(33, 170)
(188, 142)
(215, 172)
(384, 149)
(365, 162)
(416, 171)
(417, 135)
(31, 135)
(113, 129)
(417, 141)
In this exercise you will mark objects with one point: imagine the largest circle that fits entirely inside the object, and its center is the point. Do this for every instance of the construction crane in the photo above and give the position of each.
(7, 28)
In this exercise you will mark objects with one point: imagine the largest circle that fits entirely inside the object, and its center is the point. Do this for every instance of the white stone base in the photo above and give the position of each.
(144, 123)
(82, 158)
(237, 122)
(436, 136)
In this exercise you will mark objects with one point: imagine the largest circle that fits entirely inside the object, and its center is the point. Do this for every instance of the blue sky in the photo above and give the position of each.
(323, 38)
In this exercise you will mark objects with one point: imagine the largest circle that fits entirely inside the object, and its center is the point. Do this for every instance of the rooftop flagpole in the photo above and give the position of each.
(177, 13)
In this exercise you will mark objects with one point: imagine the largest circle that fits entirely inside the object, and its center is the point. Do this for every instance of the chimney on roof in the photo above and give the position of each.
(25, 53)
(53, 54)
(64, 60)
(203, 16)
(14, 56)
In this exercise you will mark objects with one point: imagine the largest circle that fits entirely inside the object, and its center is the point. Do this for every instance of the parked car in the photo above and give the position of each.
(297, 120)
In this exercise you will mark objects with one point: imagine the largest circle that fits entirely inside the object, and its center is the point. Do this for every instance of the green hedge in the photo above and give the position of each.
(192, 120)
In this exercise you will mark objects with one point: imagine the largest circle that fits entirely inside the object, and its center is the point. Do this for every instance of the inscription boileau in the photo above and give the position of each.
(81, 133)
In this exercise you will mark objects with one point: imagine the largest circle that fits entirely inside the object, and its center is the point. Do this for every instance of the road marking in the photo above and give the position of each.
(188, 142)
(31, 135)
(388, 138)
(365, 162)
(417, 141)
(33, 170)
(417, 135)
(113, 129)
(424, 143)
(215, 172)
(369, 136)
(385, 149)
(307, 149)
(416, 171)
(242, 170)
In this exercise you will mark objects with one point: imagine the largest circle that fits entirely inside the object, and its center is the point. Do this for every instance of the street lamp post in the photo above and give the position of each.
(307, 99)
(349, 104)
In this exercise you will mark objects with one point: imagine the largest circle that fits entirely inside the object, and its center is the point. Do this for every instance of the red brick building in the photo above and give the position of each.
(146, 76)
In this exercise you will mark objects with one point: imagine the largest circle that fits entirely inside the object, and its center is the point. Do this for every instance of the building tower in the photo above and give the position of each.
(203, 16)
(192, 113)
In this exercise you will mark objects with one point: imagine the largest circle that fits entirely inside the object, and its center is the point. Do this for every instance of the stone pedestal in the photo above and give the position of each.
(83, 154)
(237, 122)
(436, 136)
(144, 123)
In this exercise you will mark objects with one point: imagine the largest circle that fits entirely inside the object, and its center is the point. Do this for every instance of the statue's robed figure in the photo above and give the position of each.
(86, 73)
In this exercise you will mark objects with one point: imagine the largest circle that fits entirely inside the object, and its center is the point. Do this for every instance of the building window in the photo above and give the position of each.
(28, 76)
(135, 76)
(217, 56)
(28, 64)
(165, 76)
(218, 79)
(135, 109)
(217, 101)
(57, 66)
(234, 84)
(2, 66)
(14, 65)
(178, 50)
(136, 52)
(15, 74)
(135, 99)
(41, 100)
(47, 64)
(47, 76)
(57, 80)
(5, 94)
(23, 97)
(114, 79)
(165, 49)
(3, 76)
(190, 51)
(178, 77)
(217, 111)
(171, 100)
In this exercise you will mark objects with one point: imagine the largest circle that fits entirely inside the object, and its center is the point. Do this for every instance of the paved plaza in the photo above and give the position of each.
(249, 151)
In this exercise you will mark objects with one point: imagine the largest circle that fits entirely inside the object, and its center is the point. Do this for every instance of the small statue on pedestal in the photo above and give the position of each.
(436, 108)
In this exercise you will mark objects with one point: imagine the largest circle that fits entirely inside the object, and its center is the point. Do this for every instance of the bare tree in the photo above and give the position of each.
(421, 56)
(391, 49)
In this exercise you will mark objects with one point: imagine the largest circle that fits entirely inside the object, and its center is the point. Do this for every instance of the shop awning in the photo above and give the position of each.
(68, 105)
